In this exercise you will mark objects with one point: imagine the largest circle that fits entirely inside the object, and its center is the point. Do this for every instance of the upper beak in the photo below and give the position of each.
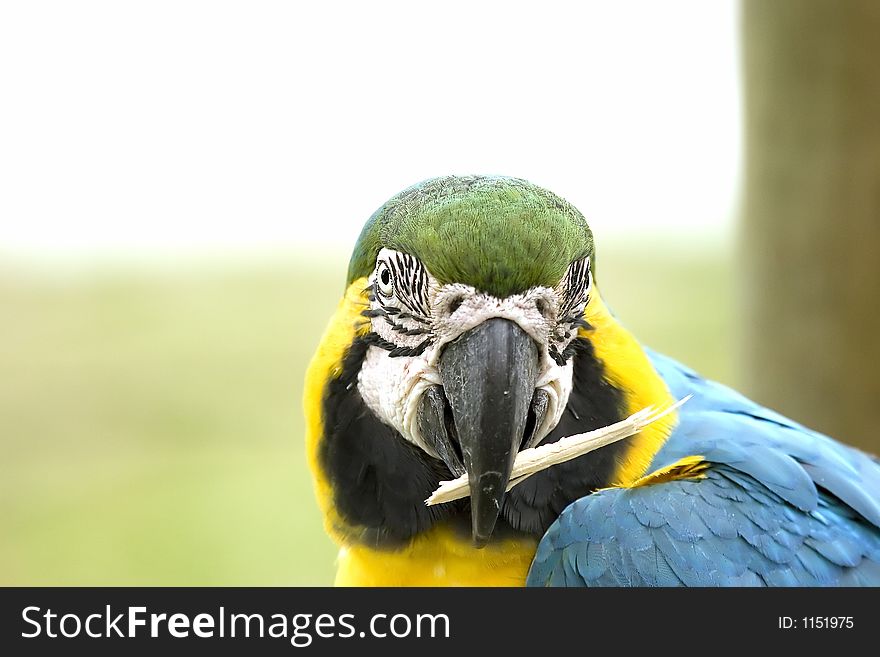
(489, 375)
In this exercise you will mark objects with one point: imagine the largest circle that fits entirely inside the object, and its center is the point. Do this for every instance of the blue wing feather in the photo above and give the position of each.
(781, 505)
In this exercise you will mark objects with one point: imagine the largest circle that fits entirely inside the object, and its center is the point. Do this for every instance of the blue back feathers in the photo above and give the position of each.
(781, 505)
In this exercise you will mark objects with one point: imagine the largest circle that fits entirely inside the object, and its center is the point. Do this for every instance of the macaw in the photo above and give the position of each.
(472, 328)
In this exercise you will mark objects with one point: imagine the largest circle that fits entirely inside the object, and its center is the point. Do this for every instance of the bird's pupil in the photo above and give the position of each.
(385, 276)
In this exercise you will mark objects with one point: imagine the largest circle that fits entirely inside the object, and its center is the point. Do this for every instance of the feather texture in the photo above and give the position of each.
(777, 505)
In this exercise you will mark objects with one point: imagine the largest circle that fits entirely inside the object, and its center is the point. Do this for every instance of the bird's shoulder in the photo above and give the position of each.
(725, 427)
(775, 504)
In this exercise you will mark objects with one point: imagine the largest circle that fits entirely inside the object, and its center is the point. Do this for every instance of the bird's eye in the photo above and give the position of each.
(384, 282)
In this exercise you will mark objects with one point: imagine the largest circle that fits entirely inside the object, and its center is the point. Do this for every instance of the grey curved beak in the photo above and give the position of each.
(489, 376)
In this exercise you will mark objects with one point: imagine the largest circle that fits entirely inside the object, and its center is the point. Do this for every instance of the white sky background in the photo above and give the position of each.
(218, 127)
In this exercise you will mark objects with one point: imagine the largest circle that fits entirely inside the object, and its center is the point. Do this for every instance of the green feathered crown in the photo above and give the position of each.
(501, 235)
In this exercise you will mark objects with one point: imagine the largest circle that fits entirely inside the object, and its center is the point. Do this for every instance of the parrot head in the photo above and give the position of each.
(477, 289)
(475, 301)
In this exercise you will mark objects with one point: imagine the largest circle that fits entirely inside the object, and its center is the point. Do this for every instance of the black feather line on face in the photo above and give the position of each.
(575, 298)
(415, 318)
(410, 282)
(556, 356)
(395, 350)
(576, 294)
(575, 322)
(389, 312)
(574, 346)
(397, 328)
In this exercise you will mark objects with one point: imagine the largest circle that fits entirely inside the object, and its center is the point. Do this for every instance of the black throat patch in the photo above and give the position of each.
(380, 480)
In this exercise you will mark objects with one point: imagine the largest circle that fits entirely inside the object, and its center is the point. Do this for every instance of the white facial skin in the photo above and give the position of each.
(408, 298)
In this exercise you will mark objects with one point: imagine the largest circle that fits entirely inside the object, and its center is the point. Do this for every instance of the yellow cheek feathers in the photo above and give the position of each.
(345, 325)
(628, 369)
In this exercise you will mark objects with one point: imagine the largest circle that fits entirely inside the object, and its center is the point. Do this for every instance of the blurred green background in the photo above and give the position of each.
(152, 430)
(181, 184)
(175, 222)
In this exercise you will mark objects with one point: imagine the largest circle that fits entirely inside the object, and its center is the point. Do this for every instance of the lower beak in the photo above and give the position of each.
(489, 376)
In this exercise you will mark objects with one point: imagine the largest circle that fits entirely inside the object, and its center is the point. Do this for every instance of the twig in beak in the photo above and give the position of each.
(530, 461)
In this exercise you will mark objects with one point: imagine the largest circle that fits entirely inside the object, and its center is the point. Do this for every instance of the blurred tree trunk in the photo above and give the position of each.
(810, 232)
